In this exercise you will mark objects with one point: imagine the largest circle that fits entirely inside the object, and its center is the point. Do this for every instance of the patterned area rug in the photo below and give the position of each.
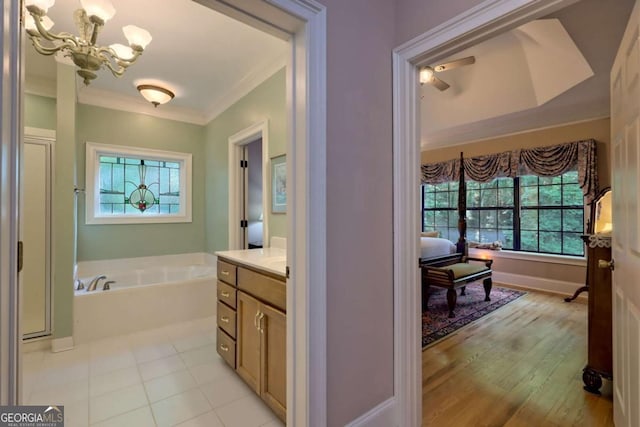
(436, 323)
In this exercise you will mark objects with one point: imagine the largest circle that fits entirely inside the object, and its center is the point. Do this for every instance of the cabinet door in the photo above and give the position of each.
(273, 385)
(248, 341)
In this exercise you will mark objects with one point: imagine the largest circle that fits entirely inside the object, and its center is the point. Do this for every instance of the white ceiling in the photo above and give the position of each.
(207, 59)
(529, 78)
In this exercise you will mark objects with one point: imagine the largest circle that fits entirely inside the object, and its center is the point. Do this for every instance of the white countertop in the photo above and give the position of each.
(272, 260)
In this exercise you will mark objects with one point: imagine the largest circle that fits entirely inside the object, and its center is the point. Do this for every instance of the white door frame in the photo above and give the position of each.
(479, 23)
(11, 131)
(237, 142)
(304, 24)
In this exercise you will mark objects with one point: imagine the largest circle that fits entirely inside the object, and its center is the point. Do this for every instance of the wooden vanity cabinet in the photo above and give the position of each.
(258, 323)
(226, 312)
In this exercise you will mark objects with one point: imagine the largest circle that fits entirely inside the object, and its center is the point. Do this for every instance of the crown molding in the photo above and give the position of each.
(41, 86)
(257, 76)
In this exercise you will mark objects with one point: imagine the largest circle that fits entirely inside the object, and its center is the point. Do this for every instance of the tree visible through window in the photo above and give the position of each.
(527, 213)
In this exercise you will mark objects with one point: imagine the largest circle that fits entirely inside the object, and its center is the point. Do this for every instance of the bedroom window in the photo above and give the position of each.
(127, 185)
(527, 213)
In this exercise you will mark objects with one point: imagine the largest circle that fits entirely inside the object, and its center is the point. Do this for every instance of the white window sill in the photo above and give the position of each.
(527, 256)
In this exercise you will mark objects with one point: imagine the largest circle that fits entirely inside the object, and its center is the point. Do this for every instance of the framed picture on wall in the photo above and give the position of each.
(279, 184)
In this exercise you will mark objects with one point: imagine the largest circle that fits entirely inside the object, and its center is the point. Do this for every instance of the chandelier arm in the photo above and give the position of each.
(44, 50)
(47, 35)
(118, 72)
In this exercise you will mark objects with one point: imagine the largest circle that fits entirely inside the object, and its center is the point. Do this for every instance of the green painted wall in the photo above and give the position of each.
(266, 102)
(64, 231)
(114, 127)
(39, 112)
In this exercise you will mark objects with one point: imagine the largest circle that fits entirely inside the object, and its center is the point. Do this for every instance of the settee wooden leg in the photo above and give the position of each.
(451, 301)
(425, 297)
(463, 291)
(487, 288)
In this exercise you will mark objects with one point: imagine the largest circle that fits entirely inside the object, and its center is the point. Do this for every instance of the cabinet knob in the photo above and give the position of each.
(606, 264)
(224, 347)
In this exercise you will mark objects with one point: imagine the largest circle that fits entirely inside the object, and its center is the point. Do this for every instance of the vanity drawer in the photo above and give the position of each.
(268, 289)
(227, 272)
(226, 347)
(227, 294)
(227, 319)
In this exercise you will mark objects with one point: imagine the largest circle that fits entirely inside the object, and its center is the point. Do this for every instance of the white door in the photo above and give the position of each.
(36, 227)
(625, 135)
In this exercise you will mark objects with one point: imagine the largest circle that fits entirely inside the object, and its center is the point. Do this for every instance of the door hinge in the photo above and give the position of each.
(20, 255)
(244, 223)
(244, 164)
(287, 272)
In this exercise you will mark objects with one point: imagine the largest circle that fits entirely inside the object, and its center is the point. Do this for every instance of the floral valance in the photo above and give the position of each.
(542, 161)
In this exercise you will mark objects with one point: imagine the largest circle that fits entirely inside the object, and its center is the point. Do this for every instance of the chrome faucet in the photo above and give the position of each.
(94, 283)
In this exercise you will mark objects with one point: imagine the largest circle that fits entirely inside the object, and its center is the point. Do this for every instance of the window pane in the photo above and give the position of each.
(489, 198)
(442, 218)
(506, 237)
(429, 200)
(570, 177)
(550, 195)
(473, 198)
(529, 219)
(442, 200)
(453, 219)
(551, 242)
(529, 196)
(529, 241)
(505, 219)
(505, 197)
(573, 220)
(572, 244)
(528, 180)
(545, 180)
(572, 195)
(488, 219)
(473, 219)
(473, 234)
(551, 219)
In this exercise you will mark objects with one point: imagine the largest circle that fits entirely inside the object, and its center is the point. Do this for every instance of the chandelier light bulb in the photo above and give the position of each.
(124, 52)
(137, 36)
(102, 9)
(43, 5)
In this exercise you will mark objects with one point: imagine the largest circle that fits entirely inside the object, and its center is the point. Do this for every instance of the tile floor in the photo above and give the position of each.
(163, 377)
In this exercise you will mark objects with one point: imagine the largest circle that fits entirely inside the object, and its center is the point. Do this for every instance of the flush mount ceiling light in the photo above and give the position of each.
(82, 49)
(155, 94)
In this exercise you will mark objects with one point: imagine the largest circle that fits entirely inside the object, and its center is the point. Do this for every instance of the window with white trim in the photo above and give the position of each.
(126, 185)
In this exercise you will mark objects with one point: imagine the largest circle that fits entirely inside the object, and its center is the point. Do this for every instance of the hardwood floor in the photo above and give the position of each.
(519, 366)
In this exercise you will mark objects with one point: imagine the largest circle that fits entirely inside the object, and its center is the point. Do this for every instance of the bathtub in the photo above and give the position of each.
(148, 293)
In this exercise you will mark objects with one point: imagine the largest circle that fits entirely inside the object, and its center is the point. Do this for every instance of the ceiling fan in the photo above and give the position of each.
(427, 74)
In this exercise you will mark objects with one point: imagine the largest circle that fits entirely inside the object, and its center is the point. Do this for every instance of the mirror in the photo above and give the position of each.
(601, 213)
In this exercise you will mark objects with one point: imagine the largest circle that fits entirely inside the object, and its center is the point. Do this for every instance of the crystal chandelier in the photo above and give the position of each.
(82, 49)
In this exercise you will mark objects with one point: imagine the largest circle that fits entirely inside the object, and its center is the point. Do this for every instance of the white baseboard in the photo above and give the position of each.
(383, 415)
(538, 284)
(36, 344)
(61, 344)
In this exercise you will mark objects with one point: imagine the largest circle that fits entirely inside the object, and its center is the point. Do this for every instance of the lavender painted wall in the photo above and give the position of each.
(414, 17)
(360, 39)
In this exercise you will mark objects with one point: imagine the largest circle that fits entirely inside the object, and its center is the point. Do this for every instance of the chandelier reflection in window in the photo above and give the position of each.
(82, 49)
